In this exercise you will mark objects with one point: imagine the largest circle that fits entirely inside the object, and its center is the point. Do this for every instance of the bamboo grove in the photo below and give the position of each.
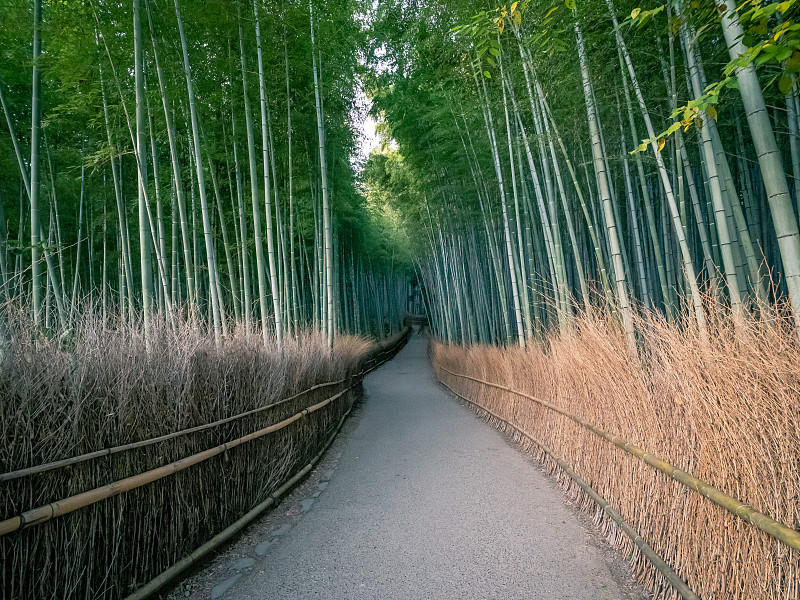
(161, 157)
(558, 157)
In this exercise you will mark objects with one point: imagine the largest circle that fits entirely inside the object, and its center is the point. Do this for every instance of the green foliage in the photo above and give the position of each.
(486, 28)
(390, 201)
(640, 17)
(772, 41)
(81, 38)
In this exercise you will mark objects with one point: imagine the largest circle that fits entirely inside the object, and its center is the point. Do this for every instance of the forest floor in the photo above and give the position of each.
(418, 498)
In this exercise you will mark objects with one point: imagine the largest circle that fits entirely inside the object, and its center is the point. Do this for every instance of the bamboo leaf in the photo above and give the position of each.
(783, 53)
(793, 64)
(785, 84)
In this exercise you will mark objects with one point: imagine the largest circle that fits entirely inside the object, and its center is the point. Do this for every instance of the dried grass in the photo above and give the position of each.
(106, 390)
(729, 413)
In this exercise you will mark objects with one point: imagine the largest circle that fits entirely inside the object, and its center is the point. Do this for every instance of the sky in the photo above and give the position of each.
(364, 124)
(368, 137)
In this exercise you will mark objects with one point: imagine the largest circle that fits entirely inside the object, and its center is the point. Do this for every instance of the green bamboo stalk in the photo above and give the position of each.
(769, 159)
(605, 194)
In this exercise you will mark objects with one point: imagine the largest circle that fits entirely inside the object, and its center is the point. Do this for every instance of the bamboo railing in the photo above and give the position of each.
(223, 536)
(161, 580)
(57, 464)
(747, 513)
(659, 563)
(70, 504)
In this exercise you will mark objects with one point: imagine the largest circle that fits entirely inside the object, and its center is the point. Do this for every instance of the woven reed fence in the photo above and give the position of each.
(590, 378)
(132, 510)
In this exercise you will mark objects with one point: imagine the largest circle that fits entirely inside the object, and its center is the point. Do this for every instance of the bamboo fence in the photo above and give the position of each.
(521, 435)
(88, 545)
(687, 534)
(770, 526)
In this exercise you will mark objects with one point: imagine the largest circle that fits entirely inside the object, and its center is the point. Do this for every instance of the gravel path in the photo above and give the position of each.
(426, 501)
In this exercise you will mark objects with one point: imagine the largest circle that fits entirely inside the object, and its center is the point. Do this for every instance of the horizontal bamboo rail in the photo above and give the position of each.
(764, 523)
(158, 582)
(57, 464)
(65, 506)
(659, 563)
(161, 580)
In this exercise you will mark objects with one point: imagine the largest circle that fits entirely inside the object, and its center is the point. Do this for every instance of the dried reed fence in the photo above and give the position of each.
(106, 391)
(728, 413)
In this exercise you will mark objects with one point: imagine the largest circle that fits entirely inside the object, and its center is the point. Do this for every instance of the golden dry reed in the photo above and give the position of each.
(728, 412)
(100, 388)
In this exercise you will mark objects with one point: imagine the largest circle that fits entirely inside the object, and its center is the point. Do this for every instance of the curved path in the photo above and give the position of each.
(426, 501)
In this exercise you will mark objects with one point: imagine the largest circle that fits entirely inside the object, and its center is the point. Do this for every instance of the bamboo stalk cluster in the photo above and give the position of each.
(235, 229)
(542, 210)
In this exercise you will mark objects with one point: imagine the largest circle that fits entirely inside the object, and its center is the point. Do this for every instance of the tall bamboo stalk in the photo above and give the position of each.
(326, 209)
(36, 127)
(605, 194)
(769, 159)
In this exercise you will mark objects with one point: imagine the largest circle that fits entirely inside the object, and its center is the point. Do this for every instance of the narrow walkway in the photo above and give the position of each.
(428, 502)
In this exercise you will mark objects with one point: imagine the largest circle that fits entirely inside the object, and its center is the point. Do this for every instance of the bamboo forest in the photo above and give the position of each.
(226, 225)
